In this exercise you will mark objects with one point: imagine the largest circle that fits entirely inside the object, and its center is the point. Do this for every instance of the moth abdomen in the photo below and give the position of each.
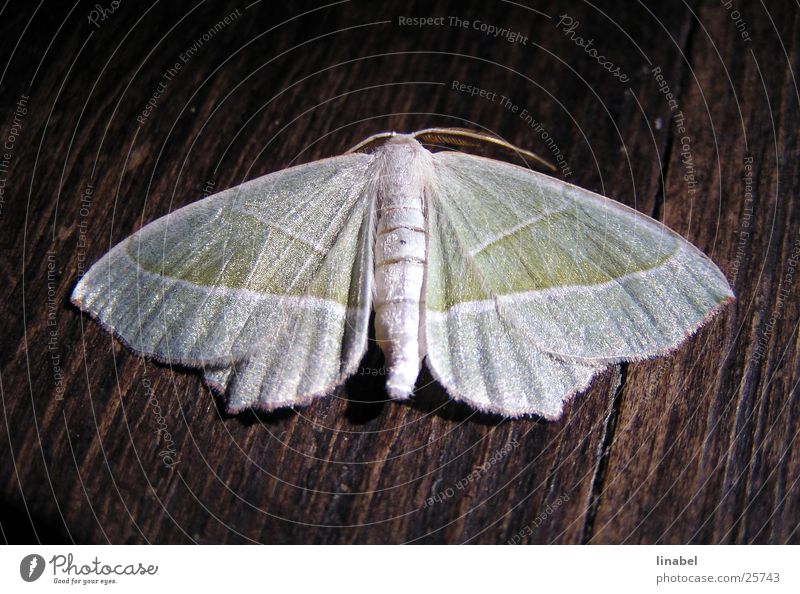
(400, 259)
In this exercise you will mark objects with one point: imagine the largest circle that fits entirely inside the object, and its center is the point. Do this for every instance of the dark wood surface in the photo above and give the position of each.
(697, 447)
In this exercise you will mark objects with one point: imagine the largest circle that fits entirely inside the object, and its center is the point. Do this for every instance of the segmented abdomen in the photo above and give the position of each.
(400, 255)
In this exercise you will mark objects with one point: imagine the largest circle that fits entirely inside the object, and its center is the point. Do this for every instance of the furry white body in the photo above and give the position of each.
(402, 167)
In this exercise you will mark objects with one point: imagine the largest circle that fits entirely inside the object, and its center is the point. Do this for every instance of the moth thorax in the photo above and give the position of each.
(403, 170)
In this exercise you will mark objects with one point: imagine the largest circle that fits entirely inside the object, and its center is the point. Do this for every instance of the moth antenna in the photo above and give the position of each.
(465, 137)
(374, 139)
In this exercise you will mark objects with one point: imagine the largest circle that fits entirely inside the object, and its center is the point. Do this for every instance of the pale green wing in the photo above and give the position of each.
(478, 355)
(574, 280)
(266, 286)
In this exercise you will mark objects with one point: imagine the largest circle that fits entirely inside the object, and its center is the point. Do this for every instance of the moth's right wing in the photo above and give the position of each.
(533, 285)
(265, 286)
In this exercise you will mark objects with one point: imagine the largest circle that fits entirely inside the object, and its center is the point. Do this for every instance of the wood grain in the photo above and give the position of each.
(697, 447)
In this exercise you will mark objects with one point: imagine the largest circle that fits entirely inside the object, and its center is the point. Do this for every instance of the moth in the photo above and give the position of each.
(515, 288)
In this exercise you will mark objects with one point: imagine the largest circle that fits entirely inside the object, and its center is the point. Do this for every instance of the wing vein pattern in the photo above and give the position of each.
(534, 285)
(266, 286)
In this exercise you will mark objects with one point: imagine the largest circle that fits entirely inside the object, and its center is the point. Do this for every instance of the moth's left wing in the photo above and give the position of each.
(265, 286)
(534, 284)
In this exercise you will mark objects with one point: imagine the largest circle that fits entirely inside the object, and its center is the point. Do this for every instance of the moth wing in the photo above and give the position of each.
(265, 286)
(533, 285)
